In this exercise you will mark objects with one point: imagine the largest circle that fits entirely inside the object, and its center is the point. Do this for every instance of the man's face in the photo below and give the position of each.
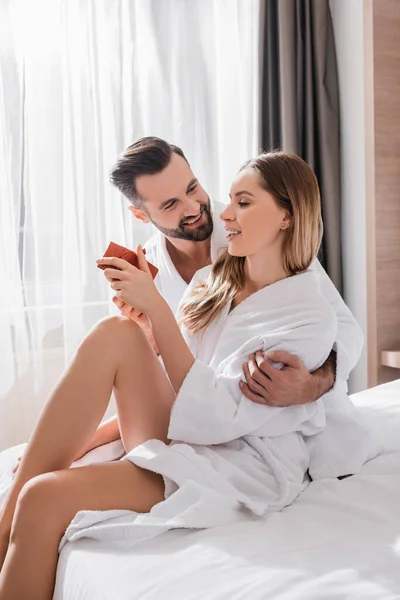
(175, 202)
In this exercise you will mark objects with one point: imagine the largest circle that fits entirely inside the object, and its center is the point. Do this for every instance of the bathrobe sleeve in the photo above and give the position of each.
(349, 340)
(210, 408)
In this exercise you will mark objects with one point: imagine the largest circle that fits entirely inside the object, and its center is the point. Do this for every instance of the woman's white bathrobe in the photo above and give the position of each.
(231, 458)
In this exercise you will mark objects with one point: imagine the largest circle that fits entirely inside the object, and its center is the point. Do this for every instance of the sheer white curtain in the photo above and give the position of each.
(79, 81)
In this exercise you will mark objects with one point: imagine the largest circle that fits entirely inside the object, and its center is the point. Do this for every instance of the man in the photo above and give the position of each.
(162, 189)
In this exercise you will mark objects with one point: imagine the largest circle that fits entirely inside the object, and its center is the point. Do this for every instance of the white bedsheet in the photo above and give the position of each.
(339, 541)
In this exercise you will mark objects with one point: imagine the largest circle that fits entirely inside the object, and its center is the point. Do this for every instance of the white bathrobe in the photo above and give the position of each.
(231, 458)
(342, 418)
(349, 338)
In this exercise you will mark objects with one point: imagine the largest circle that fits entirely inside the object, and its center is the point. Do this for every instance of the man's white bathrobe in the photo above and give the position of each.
(230, 457)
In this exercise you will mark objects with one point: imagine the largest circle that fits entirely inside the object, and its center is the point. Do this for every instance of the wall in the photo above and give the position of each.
(348, 25)
(386, 14)
(368, 52)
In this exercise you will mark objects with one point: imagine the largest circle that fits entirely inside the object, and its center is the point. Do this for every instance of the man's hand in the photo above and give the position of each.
(141, 319)
(15, 469)
(108, 431)
(291, 385)
(128, 311)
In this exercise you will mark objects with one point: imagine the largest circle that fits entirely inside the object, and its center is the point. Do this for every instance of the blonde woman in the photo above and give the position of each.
(227, 453)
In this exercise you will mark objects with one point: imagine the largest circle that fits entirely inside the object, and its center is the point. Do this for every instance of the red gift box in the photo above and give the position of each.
(115, 250)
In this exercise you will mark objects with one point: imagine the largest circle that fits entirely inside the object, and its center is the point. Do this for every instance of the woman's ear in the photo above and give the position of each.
(139, 214)
(286, 221)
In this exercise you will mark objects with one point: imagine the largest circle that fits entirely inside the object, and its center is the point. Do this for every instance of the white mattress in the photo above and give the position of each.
(339, 540)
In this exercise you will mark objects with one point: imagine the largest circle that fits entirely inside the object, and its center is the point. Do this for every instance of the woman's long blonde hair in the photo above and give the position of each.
(294, 187)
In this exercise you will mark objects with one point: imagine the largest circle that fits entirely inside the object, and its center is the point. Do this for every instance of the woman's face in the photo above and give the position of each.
(253, 220)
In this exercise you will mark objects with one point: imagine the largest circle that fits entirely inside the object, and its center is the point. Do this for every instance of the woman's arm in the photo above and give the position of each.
(135, 286)
(294, 384)
(176, 355)
(210, 408)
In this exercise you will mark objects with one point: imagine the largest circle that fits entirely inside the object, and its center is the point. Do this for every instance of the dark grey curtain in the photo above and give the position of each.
(300, 103)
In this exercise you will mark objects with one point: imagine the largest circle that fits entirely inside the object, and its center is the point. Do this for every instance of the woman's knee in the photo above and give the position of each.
(35, 506)
(118, 327)
(114, 333)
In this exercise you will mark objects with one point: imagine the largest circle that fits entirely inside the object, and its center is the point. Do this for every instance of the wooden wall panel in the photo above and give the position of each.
(386, 26)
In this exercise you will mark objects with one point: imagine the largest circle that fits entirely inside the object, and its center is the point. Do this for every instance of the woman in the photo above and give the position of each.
(227, 452)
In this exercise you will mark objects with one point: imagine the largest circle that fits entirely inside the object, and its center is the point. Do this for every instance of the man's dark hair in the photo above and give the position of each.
(147, 156)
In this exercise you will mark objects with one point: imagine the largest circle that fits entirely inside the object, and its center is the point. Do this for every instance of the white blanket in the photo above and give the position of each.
(230, 458)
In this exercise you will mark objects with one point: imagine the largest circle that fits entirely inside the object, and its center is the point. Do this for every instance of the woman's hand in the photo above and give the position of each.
(133, 286)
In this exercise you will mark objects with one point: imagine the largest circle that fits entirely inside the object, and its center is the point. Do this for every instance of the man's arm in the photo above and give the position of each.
(291, 385)
(107, 432)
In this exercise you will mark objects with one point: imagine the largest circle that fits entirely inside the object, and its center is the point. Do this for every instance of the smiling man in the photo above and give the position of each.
(162, 189)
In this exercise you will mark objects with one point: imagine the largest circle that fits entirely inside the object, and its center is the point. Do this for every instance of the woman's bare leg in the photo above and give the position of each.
(116, 354)
(47, 505)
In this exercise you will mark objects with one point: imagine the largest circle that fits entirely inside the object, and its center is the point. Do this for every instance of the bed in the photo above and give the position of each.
(339, 540)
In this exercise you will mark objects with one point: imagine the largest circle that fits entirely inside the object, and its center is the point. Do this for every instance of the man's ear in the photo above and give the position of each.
(139, 214)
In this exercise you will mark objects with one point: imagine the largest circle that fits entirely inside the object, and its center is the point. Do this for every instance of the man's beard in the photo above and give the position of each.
(199, 234)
